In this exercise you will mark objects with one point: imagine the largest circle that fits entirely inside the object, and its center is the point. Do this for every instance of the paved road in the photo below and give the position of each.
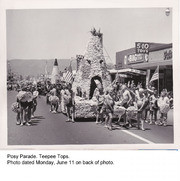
(52, 129)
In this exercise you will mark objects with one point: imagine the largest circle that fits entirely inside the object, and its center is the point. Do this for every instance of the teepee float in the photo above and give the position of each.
(55, 73)
(91, 71)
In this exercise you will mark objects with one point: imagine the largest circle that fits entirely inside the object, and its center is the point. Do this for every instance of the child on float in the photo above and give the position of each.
(163, 103)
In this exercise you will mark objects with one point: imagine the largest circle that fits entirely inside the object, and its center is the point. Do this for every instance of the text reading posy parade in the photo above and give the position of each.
(56, 159)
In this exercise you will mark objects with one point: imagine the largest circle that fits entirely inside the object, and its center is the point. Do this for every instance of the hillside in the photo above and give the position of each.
(37, 66)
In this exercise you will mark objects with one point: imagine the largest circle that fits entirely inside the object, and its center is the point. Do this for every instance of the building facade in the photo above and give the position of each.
(158, 55)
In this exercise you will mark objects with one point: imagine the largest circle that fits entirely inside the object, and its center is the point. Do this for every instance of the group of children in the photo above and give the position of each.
(144, 103)
(25, 105)
(63, 99)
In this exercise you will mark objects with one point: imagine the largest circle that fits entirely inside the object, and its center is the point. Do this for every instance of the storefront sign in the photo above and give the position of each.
(167, 55)
(142, 48)
(137, 71)
(161, 55)
(136, 58)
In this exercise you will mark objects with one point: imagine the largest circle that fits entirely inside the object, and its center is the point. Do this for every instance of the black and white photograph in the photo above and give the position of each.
(90, 76)
(89, 89)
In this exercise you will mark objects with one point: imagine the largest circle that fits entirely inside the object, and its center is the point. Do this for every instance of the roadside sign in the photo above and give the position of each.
(142, 47)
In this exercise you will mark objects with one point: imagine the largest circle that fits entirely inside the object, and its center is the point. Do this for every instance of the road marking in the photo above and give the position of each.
(139, 137)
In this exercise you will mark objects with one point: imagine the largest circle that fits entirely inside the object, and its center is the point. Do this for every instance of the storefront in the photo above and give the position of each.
(158, 55)
(126, 75)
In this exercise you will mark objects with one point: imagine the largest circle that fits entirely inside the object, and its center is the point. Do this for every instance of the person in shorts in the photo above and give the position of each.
(153, 108)
(141, 101)
(108, 109)
(69, 103)
(100, 98)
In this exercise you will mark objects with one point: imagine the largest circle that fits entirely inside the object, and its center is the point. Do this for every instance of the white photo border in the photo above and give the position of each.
(54, 4)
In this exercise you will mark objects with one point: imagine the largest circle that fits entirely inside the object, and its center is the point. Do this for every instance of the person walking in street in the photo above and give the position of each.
(153, 108)
(163, 103)
(108, 109)
(35, 95)
(54, 102)
(62, 99)
(69, 103)
(100, 98)
(141, 100)
(24, 98)
(126, 100)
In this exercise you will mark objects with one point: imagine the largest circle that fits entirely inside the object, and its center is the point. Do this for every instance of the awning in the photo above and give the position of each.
(128, 71)
(152, 65)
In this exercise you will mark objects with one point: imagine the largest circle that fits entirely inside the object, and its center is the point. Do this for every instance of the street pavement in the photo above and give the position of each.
(52, 129)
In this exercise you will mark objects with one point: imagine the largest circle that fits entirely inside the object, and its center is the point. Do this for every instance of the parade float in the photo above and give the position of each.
(91, 72)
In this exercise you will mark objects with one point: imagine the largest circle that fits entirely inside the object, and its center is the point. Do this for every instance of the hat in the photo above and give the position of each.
(141, 90)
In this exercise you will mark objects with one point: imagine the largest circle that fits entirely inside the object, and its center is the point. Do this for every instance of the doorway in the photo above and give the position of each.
(93, 85)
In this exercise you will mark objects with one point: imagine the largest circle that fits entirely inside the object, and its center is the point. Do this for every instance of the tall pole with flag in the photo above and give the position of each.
(68, 75)
(158, 80)
(155, 76)
(46, 71)
(116, 76)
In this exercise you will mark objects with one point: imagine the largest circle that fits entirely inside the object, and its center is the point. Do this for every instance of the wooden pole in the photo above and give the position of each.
(158, 80)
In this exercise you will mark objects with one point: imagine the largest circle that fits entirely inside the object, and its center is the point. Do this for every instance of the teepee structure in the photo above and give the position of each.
(55, 73)
(91, 67)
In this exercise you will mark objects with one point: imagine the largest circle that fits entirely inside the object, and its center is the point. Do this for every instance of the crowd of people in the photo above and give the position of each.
(143, 105)
(25, 105)
(58, 96)
(61, 99)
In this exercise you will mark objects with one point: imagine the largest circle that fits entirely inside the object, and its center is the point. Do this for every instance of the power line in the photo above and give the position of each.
(107, 53)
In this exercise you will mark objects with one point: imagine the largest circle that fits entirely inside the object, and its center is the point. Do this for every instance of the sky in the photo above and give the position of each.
(64, 33)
